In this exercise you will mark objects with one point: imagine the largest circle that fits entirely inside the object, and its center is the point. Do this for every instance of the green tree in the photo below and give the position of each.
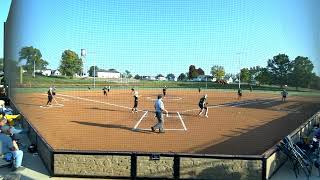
(315, 81)
(200, 71)
(193, 72)
(127, 74)
(70, 63)
(279, 67)
(92, 69)
(170, 77)
(137, 76)
(263, 76)
(230, 75)
(301, 74)
(158, 76)
(245, 75)
(217, 72)
(182, 77)
(254, 71)
(33, 59)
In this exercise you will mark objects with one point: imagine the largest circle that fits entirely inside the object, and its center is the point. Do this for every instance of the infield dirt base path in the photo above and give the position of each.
(87, 120)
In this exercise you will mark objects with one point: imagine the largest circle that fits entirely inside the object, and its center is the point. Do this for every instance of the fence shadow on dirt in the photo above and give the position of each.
(249, 141)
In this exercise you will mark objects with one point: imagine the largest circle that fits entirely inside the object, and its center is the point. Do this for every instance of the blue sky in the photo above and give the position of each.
(150, 37)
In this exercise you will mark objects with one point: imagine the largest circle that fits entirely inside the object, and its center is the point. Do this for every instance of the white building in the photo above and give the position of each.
(150, 78)
(46, 72)
(108, 74)
(161, 78)
(230, 80)
(55, 73)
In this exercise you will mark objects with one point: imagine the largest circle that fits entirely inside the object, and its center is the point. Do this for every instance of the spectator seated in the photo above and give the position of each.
(11, 119)
(10, 151)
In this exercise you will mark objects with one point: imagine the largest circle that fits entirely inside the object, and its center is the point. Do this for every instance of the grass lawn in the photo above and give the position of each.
(41, 84)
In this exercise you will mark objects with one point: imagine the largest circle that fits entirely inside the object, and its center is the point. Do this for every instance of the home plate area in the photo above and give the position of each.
(172, 122)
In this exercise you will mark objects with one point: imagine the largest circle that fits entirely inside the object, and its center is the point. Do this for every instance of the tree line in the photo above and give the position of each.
(70, 63)
(280, 70)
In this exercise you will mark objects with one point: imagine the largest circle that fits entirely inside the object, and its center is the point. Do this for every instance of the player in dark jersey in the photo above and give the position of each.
(203, 106)
(53, 91)
(284, 94)
(104, 91)
(239, 94)
(50, 96)
(164, 91)
(135, 103)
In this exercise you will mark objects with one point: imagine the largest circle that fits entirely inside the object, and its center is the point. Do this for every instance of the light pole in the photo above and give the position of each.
(34, 69)
(239, 53)
(94, 73)
(83, 54)
(239, 73)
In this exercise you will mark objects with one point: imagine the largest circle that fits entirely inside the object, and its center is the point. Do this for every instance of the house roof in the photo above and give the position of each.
(110, 70)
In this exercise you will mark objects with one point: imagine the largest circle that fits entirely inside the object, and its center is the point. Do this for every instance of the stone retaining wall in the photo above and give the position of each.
(204, 168)
(155, 168)
(92, 165)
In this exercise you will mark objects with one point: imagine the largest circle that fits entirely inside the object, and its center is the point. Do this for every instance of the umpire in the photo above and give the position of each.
(159, 107)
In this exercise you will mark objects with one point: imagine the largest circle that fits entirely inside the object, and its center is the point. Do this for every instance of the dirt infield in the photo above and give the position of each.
(87, 120)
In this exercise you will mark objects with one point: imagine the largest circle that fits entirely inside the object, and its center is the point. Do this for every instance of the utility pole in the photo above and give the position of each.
(94, 73)
(239, 53)
(34, 68)
(83, 54)
(239, 73)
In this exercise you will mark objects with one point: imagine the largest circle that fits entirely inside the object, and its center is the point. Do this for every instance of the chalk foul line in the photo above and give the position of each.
(143, 116)
(85, 99)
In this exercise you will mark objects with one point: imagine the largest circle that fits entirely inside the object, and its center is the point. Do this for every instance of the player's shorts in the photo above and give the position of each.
(239, 94)
(284, 96)
(50, 98)
(201, 106)
(135, 105)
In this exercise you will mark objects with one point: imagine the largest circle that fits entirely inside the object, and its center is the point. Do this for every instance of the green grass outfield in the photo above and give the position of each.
(41, 84)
